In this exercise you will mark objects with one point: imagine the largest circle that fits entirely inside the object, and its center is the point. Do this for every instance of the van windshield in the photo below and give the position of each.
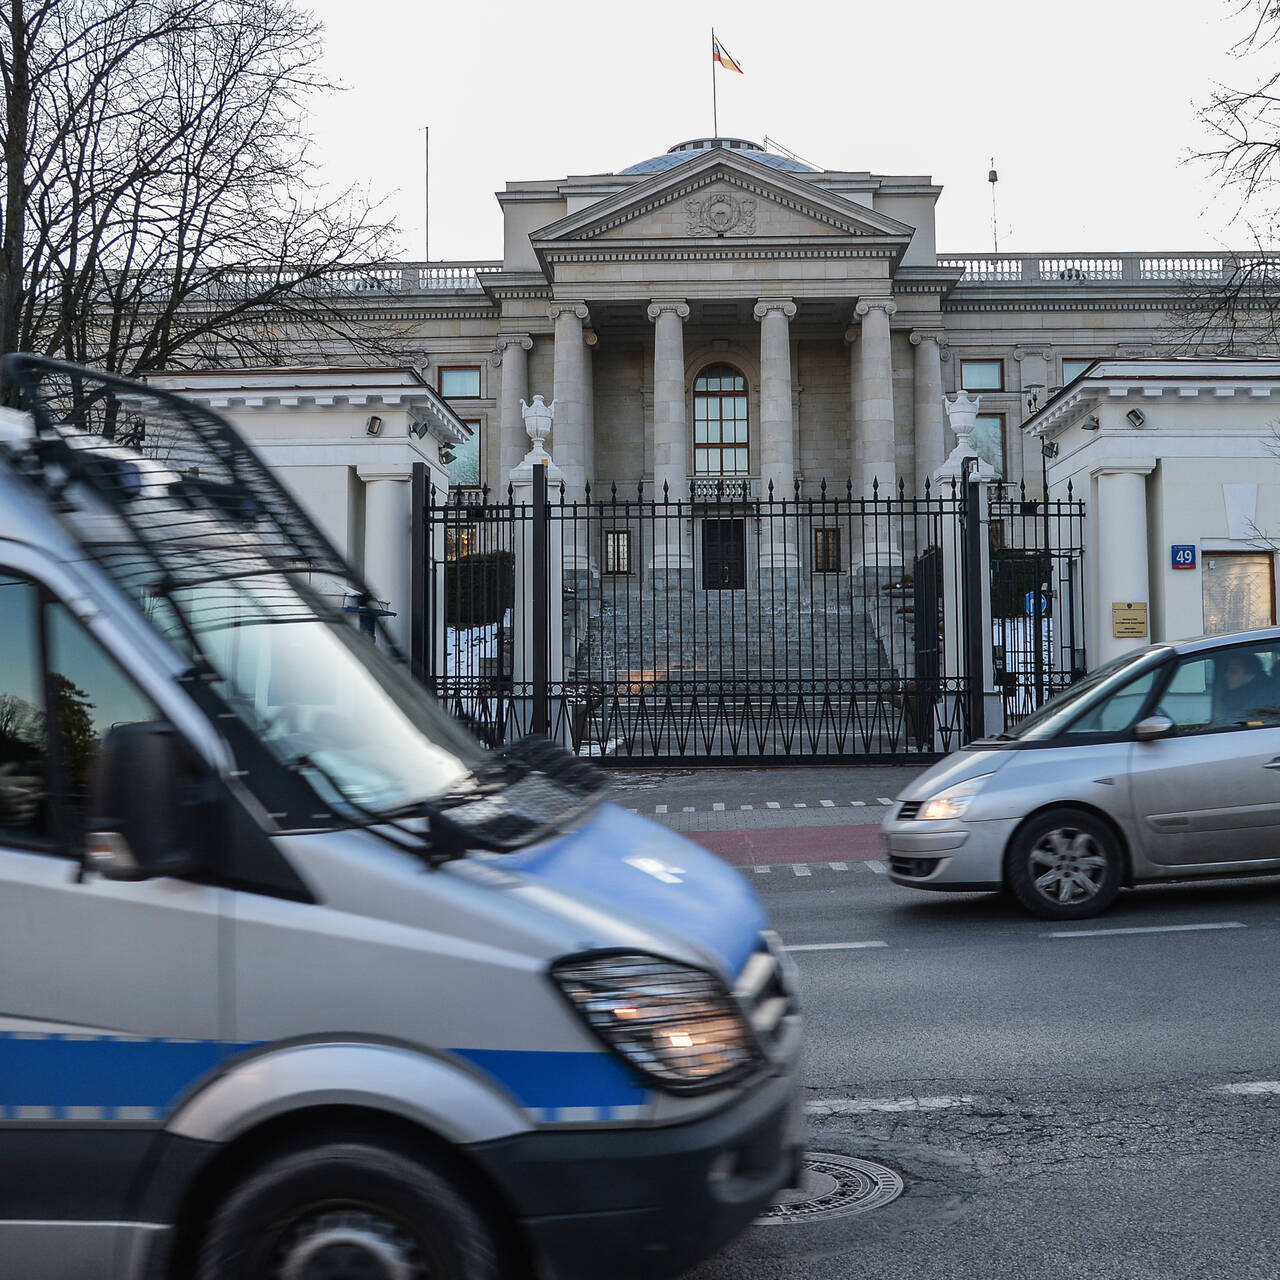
(318, 694)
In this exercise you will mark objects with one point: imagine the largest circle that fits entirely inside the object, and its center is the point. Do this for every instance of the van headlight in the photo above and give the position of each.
(952, 802)
(677, 1025)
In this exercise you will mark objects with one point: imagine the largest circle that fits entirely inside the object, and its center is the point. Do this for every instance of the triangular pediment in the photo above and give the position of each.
(721, 196)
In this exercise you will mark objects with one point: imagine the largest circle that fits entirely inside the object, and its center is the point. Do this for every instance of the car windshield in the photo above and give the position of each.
(1062, 709)
(318, 694)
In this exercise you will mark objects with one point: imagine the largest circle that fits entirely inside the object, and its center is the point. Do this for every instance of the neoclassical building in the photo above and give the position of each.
(723, 311)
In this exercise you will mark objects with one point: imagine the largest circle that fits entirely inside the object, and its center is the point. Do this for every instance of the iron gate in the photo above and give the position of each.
(722, 624)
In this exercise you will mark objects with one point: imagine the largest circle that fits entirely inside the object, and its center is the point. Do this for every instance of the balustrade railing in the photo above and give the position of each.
(1121, 268)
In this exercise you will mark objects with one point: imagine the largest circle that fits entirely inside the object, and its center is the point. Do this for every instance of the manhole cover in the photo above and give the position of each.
(834, 1186)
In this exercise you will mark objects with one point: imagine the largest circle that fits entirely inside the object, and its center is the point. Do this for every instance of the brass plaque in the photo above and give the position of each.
(1129, 619)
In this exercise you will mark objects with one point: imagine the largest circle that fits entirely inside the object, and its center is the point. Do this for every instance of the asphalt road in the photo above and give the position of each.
(1098, 1099)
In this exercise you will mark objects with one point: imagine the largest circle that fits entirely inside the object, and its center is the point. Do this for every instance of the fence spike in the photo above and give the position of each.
(666, 492)
(586, 492)
(848, 488)
(875, 488)
(1068, 492)
(484, 495)
(1022, 490)
(613, 491)
(770, 491)
(926, 488)
(822, 488)
(795, 488)
(902, 489)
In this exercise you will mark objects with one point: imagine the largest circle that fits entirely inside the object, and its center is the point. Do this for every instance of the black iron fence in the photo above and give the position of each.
(719, 625)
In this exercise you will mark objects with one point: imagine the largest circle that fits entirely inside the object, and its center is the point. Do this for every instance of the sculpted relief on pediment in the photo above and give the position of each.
(721, 214)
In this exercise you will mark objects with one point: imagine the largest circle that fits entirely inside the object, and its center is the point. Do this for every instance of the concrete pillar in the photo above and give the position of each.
(590, 340)
(875, 398)
(388, 515)
(931, 444)
(671, 552)
(777, 430)
(511, 351)
(569, 393)
(1123, 574)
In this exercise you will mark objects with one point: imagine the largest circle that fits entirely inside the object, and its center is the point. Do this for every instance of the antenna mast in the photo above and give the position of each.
(993, 177)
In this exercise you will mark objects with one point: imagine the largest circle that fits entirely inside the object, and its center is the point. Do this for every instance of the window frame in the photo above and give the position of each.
(984, 360)
(610, 564)
(826, 540)
(1083, 361)
(719, 447)
(1004, 438)
(477, 369)
(477, 434)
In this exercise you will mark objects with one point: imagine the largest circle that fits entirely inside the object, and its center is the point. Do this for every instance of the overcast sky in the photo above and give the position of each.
(1089, 109)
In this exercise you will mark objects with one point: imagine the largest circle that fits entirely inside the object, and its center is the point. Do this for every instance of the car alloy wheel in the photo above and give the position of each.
(1065, 865)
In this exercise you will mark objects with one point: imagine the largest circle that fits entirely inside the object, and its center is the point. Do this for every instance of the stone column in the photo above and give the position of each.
(779, 550)
(671, 552)
(590, 339)
(931, 446)
(569, 392)
(875, 398)
(1120, 531)
(777, 431)
(388, 515)
(511, 351)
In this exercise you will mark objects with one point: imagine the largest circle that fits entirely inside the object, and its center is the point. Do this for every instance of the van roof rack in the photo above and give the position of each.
(163, 493)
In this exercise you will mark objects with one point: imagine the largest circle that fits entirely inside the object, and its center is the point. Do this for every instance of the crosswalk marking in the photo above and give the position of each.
(874, 864)
(762, 871)
(772, 804)
(827, 804)
(839, 866)
(800, 869)
(745, 806)
(884, 800)
(858, 804)
(662, 808)
(718, 807)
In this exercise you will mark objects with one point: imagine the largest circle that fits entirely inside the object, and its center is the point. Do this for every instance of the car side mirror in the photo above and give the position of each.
(1152, 727)
(153, 806)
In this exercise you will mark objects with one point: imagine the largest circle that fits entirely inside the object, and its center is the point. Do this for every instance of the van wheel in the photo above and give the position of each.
(347, 1211)
(1065, 865)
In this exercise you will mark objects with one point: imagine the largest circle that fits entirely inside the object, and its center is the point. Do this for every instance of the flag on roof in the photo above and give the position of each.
(722, 55)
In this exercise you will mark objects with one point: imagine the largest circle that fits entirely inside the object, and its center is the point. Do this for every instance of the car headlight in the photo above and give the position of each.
(677, 1025)
(952, 802)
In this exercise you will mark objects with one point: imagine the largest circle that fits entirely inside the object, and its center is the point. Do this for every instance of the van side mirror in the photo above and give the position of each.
(1152, 727)
(153, 806)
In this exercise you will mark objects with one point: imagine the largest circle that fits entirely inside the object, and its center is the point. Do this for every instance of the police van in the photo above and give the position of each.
(297, 981)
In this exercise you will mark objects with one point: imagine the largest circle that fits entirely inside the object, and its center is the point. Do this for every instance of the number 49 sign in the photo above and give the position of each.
(1184, 557)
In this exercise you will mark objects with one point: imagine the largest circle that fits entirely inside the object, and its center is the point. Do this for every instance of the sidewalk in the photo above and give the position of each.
(772, 816)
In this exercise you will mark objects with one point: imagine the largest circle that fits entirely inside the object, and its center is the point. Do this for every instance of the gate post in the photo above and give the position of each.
(538, 657)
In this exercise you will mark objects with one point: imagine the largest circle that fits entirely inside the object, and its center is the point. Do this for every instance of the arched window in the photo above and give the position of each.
(720, 422)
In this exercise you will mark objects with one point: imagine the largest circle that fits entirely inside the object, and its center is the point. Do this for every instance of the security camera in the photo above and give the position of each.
(1136, 417)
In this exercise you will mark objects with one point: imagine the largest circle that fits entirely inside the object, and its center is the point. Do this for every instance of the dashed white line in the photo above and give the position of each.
(874, 864)
(1152, 928)
(662, 808)
(883, 800)
(772, 804)
(718, 807)
(690, 809)
(800, 804)
(861, 1106)
(762, 871)
(801, 869)
(839, 866)
(745, 806)
(827, 804)
(1251, 1087)
(858, 804)
(835, 946)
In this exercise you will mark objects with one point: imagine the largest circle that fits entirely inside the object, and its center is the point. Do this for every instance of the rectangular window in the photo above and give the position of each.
(1238, 591)
(1072, 369)
(460, 382)
(464, 470)
(982, 375)
(826, 551)
(24, 782)
(617, 551)
(988, 439)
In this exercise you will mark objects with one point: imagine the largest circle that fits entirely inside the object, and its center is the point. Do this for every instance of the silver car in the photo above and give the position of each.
(1161, 765)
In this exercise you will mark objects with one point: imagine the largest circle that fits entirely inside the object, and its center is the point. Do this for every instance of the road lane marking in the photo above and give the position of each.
(1251, 1087)
(884, 800)
(763, 871)
(858, 804)
(718, 807)
(772, 804)
(744, 806)
(1154, 928)
(800, 805)
(874, 864)
(662, 808)
(690, 809)
(834, 946)
(862, 1106)
(800, 869)
(839, 866)
(827, 804)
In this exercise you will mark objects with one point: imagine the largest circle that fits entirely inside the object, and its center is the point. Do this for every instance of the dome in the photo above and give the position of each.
(683, 151)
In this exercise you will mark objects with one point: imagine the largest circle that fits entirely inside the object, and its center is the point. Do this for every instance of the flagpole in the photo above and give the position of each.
(715, 112)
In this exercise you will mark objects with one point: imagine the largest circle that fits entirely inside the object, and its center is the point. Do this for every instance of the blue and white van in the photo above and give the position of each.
(296, 980)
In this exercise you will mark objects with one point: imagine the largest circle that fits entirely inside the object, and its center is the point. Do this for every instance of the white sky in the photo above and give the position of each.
(1088, 108)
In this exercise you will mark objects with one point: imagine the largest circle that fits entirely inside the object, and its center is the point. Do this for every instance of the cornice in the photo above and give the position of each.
(684, 251)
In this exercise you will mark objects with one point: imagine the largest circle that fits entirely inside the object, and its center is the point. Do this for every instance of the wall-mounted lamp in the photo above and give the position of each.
(446, 455)
(418, 429)
(1136, 417)
(1033, 390)
(373, 424)
(1090, 424)
(1049, 448)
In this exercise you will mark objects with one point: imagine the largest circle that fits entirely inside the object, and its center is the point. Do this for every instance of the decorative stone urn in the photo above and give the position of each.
(962, 418)
(538, 418)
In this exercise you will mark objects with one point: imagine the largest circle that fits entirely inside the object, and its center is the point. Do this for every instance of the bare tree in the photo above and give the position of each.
(160, 206)
(1235, 307)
